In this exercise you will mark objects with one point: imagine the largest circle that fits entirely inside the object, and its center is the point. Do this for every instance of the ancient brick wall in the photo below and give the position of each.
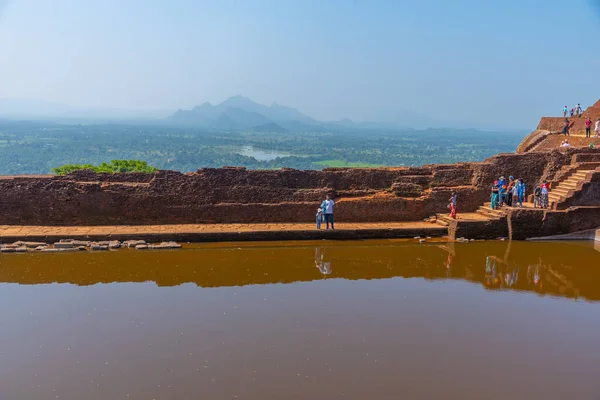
(230, 195)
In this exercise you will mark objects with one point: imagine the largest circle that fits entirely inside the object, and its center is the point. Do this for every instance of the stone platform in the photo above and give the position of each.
(221, 232)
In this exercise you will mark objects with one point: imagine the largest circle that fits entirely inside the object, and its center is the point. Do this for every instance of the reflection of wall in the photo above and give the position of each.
(565, 265)
(230, 195)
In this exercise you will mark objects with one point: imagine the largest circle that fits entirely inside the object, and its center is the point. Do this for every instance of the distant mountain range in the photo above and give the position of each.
(241, 113)
(237, 113)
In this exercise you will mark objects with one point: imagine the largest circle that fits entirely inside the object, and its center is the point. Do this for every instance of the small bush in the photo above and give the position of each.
(113, 167)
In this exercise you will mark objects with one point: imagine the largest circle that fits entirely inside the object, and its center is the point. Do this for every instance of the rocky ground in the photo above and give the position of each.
(71, 245)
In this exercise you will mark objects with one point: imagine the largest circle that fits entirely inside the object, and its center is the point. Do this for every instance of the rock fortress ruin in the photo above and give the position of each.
(237, 204)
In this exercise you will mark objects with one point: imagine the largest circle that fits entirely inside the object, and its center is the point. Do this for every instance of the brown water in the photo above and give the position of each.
(350, 320)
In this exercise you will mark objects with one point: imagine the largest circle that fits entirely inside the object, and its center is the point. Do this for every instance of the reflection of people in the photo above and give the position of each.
(534, 276)
(511, 276)
(449, 265)
(490, 271)
(321, 263)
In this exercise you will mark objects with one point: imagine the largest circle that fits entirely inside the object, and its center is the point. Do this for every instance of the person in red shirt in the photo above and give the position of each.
(545, 186)
(588, 127)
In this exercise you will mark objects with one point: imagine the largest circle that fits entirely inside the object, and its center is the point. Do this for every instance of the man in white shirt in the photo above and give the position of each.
(597, 128)
(328, 212)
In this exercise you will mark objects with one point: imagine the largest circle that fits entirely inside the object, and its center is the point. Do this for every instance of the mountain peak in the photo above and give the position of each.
(240, 112)
(238, 101)
(205, 105)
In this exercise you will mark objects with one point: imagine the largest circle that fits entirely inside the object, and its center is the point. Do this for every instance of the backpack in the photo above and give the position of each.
(537, 191)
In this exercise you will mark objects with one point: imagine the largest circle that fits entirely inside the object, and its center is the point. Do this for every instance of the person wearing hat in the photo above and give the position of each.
(501, 191)
(501, 181)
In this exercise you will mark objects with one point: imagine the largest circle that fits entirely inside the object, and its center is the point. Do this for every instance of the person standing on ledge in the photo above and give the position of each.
(521, 190)
(565, 111)
(566, 127)
(501, 191)
(588, 127)
(494, 199)
(453, 205)
(509, 191)
(597, 128)
(328, 211)
(319, 217)
(578, 110)
(545, 189)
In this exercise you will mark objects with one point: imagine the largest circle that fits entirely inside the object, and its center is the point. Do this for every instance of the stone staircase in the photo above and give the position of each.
(571, 180)
(486, 211)
(483, 213)
(567, 187)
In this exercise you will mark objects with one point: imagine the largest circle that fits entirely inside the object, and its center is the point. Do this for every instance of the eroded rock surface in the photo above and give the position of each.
(237, 195)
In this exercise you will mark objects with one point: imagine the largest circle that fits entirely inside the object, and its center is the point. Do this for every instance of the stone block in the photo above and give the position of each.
(63, 245)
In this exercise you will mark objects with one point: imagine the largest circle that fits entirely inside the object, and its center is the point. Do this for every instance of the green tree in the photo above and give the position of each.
(115, 166)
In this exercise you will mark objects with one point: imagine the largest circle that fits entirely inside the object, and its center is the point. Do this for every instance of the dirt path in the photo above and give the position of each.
(220, 232)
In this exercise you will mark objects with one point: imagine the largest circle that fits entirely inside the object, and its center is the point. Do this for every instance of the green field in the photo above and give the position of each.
(35, 147)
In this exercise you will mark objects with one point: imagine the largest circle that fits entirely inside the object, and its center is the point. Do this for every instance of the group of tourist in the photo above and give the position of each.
(325, 213)
(513, 193)
(574, 111)
(588, 122)
(509, 192)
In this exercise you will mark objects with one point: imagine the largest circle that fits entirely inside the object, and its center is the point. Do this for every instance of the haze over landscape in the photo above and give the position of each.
(299, 199)
(415, 64)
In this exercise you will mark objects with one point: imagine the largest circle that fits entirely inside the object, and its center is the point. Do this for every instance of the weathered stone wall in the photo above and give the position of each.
(528, 224)
(485, 229)
(230, 195)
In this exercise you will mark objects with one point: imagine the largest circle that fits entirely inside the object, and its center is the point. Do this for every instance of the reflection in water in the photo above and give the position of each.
(499, 273)
(322, 262)
(259, 322)
(558, 269)
(534, 276)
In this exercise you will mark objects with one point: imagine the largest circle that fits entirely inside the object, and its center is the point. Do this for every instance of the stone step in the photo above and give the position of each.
(487, 215)
(486, 211)
(560, 190)
(580, 174)
(487, 208)
(568, 184)
(441, 222)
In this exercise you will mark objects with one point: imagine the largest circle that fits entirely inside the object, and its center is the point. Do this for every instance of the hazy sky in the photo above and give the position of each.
(501, 62)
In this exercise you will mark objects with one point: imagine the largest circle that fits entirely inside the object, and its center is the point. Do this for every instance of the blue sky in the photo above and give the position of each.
(502, 63)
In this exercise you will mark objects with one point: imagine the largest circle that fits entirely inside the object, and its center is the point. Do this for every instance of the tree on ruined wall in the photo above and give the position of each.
(115, 166)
